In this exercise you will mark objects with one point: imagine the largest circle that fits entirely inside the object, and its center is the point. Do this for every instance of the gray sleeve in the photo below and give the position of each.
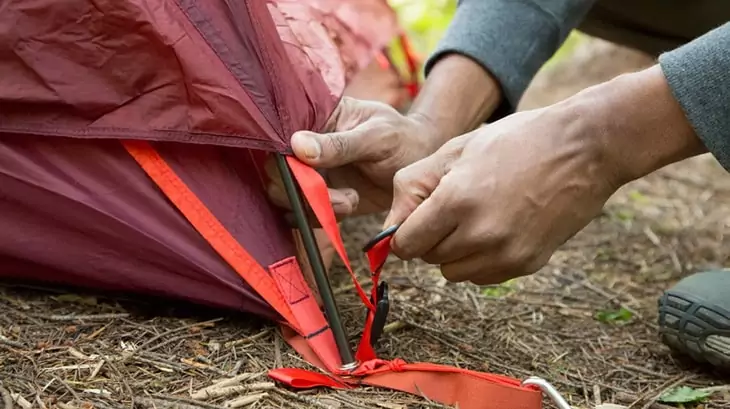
(699, 76)
(511, 39)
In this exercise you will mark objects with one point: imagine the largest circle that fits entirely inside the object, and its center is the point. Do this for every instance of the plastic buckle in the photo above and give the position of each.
(549, 390)
(382, 307)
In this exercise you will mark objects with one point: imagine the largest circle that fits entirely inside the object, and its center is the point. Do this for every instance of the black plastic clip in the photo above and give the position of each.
(380, 237)
(382, 307)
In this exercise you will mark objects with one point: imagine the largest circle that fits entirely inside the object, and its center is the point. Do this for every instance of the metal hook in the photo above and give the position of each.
(548, 390)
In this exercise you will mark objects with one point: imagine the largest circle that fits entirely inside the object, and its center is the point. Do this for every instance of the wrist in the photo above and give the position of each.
(458, 96)
(634, 125)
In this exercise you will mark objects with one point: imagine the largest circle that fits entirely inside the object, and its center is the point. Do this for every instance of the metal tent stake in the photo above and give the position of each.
(315, 261)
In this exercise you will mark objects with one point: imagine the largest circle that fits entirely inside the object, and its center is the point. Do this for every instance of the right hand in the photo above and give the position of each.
(363, 145)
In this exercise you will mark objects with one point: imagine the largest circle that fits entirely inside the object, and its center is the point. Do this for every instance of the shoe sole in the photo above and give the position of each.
(695, 328)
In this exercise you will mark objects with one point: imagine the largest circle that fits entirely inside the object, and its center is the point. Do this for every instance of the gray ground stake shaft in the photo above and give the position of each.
(315, 260)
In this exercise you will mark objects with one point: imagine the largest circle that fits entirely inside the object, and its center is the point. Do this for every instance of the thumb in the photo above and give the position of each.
(414, 184)
(330, 150)
(343, 139)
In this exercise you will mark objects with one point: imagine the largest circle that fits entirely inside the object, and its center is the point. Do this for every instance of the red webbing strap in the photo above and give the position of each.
(284, 289)
(451, 386)
(447, 385)
(301, 301)
(315, 191)
(209, 227)
(317, 195)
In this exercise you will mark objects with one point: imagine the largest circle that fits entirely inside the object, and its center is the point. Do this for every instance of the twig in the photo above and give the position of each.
(21, 401)
(304, 399)
(597, 395)
(202, 393)
(62, 405)
(477, 307)
(229, 390)
(185, 401)
(159, 403)
(245, 400)
(663, 388)
(668, 387)
(627, 398)
(247, 340)
(9, 342)
(40, 402)
(65, 385)
(174, 330)
(72, 317)
(171, 340)
(7, 399)
(277, 351)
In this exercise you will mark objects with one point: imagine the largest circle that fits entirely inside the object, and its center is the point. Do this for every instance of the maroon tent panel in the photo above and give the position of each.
(214, 86)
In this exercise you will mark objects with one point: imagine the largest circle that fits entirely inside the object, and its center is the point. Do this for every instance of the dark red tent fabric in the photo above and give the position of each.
(213, 86)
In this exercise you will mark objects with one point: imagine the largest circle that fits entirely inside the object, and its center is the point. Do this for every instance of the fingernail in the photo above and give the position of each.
(341, 206)
(353, 196)
(310, 145)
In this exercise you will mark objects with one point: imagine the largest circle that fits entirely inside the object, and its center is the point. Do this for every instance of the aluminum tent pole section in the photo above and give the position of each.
(315, 260)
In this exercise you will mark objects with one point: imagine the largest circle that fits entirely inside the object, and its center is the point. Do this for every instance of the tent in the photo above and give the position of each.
(132, 140)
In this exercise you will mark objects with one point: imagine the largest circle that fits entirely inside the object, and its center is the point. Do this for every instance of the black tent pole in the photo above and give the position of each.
(315, 260)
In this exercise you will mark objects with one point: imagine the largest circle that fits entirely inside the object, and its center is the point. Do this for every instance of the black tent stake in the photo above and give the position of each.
(315, 261)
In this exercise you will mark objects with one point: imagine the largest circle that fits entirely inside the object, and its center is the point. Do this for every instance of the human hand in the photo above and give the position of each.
(362, 146)
(495, 203)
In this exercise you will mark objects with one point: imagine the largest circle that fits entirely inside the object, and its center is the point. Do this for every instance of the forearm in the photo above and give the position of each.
(633, 125)
(488, 56)
(458, 96)
(675, 110)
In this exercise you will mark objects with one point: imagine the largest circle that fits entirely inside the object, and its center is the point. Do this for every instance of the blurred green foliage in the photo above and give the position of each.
(425, 22)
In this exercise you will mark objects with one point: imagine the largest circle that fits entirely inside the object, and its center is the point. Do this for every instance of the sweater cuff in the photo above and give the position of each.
(698, 74)
(511, 39)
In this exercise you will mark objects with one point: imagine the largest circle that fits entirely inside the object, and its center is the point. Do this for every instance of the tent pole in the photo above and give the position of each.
(315, 260)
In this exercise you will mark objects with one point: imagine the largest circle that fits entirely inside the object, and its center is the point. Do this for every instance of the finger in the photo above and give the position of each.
(350, 135)
(271, 169)
(277, 196)
(415, 183)
(459, 244)
(479, 269)
(335, 149)
(430, 223)
(344, 201)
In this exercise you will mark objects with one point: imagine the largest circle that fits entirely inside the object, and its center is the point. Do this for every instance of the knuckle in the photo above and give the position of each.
(338, 144)
(432, 258)
(402, 178)
(453, 274)
(516, 259)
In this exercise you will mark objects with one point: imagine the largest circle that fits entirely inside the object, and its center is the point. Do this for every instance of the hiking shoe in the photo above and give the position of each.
(694, 317)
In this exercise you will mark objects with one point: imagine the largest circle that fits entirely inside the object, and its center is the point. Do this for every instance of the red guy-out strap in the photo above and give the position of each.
(317, 195)
(209, 227)
(447, 385)
(284, 289)
(468, 389)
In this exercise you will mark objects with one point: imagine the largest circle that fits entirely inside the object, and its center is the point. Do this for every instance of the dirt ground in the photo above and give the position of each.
(60, 349)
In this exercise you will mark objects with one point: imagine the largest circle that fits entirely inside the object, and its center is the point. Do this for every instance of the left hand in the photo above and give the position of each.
(497, 202)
